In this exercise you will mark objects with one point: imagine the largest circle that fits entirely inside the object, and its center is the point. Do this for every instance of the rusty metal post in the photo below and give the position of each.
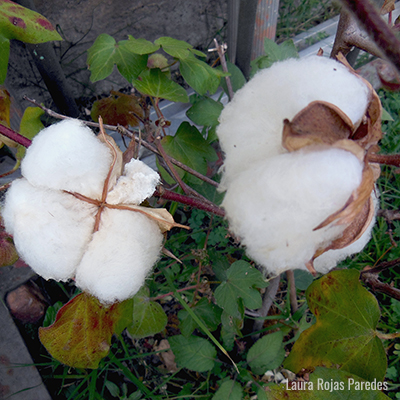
(265, 25)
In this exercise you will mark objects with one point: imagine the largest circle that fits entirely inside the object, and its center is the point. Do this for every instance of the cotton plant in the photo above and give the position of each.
(299, 188)
(76, 214)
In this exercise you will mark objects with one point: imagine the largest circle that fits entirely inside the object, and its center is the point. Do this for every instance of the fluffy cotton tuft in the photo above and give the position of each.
(251, 125)
(120, 255)
(136, 184)
(274, 199)
(68, 156)
(54, 231)
(51, 229)
(275, 205)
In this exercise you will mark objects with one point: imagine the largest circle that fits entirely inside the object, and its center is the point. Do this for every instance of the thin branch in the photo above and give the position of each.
(369, 18)
(268, 299)
(221, 54)
(128, 133)
(190, 201)
(22, 140)
(387, 159)
(376, 285)
(292, 290)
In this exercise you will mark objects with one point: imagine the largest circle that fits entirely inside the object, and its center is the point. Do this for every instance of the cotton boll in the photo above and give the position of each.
(68, 156)
(331, 258)
(51, 229)
(274, 205)
(251, 125)
(120, 256)
(136, 184)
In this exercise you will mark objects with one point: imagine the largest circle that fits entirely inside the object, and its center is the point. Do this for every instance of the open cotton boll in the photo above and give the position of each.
(68, 156)
(120, 256)
(137, 183)
(51, 229)
(274, 205)
(331, 258)
(251, 125)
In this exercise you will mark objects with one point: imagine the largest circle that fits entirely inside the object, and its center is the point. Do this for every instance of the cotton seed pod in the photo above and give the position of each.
(299, 188)
(251, 124)
(62, 223)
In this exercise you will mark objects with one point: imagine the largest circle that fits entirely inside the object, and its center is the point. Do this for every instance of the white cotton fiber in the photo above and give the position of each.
(120, 256)
(68, 156)
(251, 125)
(137, 183)
(274, 205)
(51, 229)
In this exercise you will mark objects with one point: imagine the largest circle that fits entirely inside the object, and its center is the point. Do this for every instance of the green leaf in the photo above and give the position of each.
(329, 384)
(154, 83)
(101, 57)
(240, 283)
(81, 334)
(267, 353)
(231, 326)
(200, 76)
(205, 112)
(4, 56)
(386, 116)
(194, 352)
(274, 53)
(229, 390)
(209, 314)
(17, 22)
(174, 47)
(236, 77)
(129, 64)
(142, 46)
(189, 147)
(105, 52)
(149, 317)
(344, 335)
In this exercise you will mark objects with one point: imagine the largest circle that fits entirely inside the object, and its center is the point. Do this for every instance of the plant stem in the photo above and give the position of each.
(377, 28)
(222, 59)
(22, 140)
(190, 201)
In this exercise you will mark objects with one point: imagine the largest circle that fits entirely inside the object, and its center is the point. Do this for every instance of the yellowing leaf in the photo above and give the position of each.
(5, 103)
(344, 335)
(81, 334)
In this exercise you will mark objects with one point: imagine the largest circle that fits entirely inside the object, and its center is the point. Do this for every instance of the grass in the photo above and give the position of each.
(300, 15)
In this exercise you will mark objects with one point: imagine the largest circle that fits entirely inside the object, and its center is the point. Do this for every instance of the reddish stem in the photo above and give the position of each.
(387, 159)
(22, 140)
(190, 201)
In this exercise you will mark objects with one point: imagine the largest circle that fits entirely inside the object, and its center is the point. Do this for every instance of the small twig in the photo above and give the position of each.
(190, 201)
(381, 267)
(292, 291)
(377, 28)
(221, 54)
(170, 166)
(124, 131)
(268, 299)
(376, 285)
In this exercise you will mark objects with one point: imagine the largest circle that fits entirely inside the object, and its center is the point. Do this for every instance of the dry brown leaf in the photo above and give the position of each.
(387, 7)
(167, 357)
(318, 123)
(355, 203)
(163, 218)
(354, 231)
